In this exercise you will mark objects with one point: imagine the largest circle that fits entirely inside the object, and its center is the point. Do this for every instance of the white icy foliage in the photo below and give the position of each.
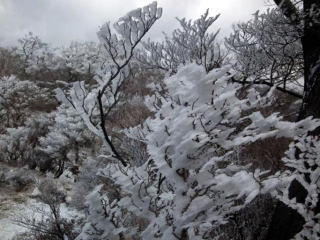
(191, 185)
(197, 127)
(68, 135)
(105, 218)
(303, 160)
(130, 29)
(85, 58)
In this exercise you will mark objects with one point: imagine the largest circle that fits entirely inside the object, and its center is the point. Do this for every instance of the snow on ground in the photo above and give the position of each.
(8, 229)
(9, 206)
(15, 204)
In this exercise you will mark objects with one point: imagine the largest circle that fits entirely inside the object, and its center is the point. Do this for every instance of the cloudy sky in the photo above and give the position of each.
(61, 21)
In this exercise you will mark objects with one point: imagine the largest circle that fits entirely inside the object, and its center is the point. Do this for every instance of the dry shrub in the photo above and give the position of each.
(138, 85)
(266, 154)
(16, 179)
(128, 115)
(131, 110)
(10, 63)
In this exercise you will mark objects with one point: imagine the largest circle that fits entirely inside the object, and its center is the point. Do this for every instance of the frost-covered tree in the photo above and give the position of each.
(29, 45)
(57, 67)
(14, 147)
(36, 57)
(267, 50)
(305, 15)
(80, 62)
(192, 42)
(119, 48)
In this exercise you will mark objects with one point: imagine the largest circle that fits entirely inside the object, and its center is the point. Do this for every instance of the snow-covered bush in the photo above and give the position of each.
(16, 179)
(19, 100)
(68, 141)
(14, 147)
(19, 145)
(190, 184)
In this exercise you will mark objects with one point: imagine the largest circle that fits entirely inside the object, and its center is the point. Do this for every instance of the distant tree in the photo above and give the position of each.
(35, 56)
(80, 62)
(267, 50)
(192, 42)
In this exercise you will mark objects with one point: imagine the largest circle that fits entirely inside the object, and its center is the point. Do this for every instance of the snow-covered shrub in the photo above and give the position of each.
(68, 142)
(86, 180)
(17, 179)
(20, 100)
(192, 141)
(19, 145)
(14, 147)
(190, 184)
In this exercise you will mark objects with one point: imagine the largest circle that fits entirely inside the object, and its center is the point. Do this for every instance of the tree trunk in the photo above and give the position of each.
(311, 53)
(286, 222)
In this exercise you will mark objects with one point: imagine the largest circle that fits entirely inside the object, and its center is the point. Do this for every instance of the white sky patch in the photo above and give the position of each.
(61, 21)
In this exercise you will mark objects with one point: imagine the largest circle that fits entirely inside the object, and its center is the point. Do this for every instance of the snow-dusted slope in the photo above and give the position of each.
(10, 206)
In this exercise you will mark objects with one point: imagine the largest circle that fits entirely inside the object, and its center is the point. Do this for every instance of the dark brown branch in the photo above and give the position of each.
(297, 95)
(105, 133)
(161, 179)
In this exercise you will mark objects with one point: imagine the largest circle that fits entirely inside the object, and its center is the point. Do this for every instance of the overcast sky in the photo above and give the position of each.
(61, 21)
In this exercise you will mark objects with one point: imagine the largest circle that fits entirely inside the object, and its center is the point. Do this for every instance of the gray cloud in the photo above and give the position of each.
(61, 21)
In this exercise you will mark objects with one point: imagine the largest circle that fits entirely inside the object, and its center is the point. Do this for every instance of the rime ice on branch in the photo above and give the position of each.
(119, 48)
